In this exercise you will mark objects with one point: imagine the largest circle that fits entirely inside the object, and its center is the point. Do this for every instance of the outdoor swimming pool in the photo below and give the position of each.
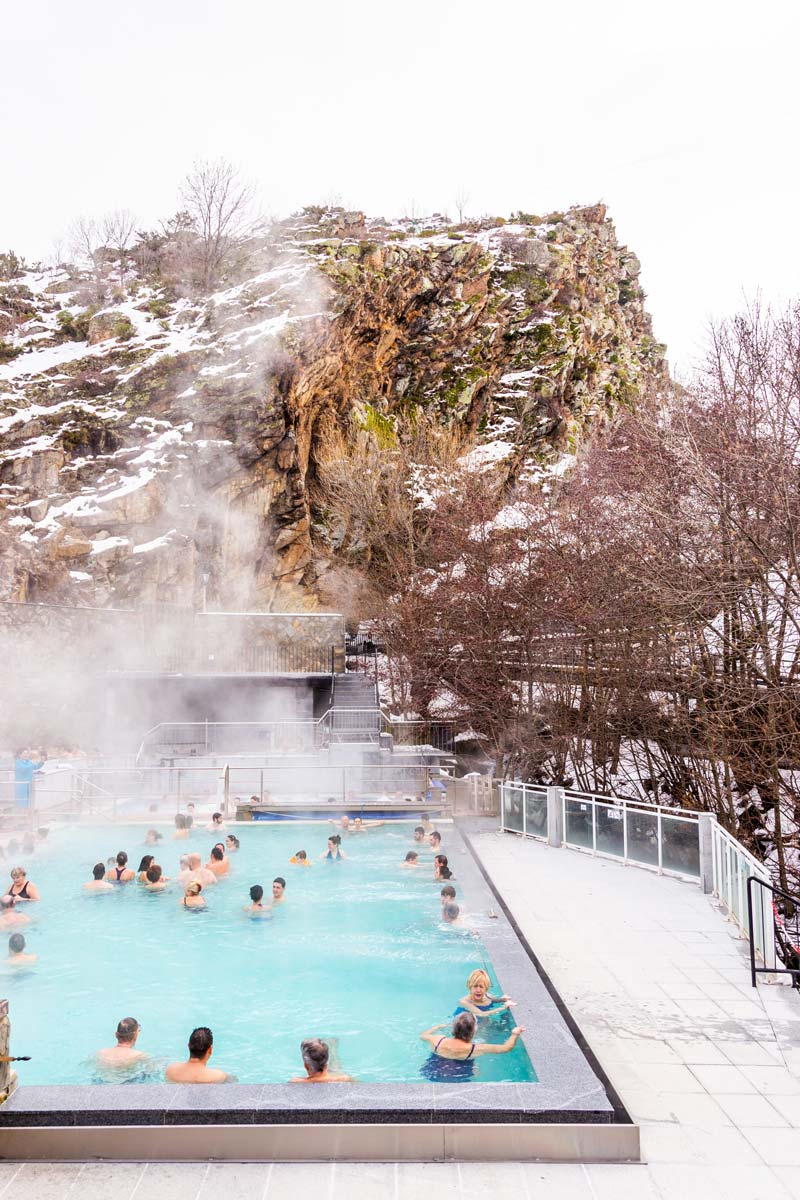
(356, 953)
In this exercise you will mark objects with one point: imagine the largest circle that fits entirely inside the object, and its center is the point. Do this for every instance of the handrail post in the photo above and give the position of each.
(750, 930)
(705, 837)
(555, 816)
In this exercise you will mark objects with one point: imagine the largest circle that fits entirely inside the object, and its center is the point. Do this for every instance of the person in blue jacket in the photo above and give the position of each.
(25, 764)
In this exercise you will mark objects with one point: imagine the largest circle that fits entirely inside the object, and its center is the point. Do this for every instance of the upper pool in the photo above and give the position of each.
(356, 952)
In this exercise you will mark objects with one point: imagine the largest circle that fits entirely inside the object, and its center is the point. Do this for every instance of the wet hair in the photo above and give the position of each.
(449, 891)
(200, 1040)
(479, 976)
(419, 829)
(9, 901)
(315, 1054)
(122, 858)
(146, 860)
(194, 887)
(336, 839)
(217, 816)
(127, 1029)
(153, 833)
(17, 873)
(301, 854)
(233, 839)
(153, 873)
(16, 943)
(464, 1027)
(256, 893)
(451, 911)
(279, 879)
(220, 846)
(217, 854)
(412, 856)
(99, 870)
(434, 835)
(444, 870)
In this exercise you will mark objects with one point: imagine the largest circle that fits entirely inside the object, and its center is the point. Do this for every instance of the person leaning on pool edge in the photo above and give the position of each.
(196, 1069)
(315, 1054)
(452, 1058)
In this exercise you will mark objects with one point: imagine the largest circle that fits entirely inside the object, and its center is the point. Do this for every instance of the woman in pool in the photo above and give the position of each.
(478, 1000)
(441, 869)
(21, 887)
(452, 1059)
(231, 844)
(120, 872)
(192, 897)
(334, 853)
(144, 867)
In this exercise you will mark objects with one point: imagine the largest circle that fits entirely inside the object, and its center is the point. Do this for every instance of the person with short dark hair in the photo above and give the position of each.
(316, 1055)
(181, 827)
(120, 872)
(452, 1058)
(447, 893)
(218, 864)
(440, 868)
(216, 824)
(124, 1054)
(196, 1069)
(278, 889)
(434, 839)
(256, 908)
(98, 882)
(419, 834)
(156, 880)
(411, 860)
(16, 952)
(153, 837)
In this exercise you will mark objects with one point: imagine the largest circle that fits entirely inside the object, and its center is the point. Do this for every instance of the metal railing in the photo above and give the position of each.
(276, 659)
(732, 867)
(769, 929)
(313, 785)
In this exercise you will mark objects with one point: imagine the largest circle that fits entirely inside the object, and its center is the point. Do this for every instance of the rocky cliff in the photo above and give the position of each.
(160, 450)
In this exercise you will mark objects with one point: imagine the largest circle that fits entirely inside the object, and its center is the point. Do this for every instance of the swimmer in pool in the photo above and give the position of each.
(441, 869)
(435, 840)
(192, 897)
(98, 883)
(232, 844)
(216, 824)
(447, 895)
(300, 859)
(419, 834)
(196, 1068)
(153, 837)
(315, 1054)
(451, 916)
(144, 866)
(120, 872)
(478, 999)
(16, 952)
(156, 880)
(21, 887)
(9, 917)
(278, 890)
(360, 826)
(195, 870)
(343, 823)
(452, 1058)
(218, 863)
(427, 824)
(181, 828)
(124, 1054)
(334, 853)
(256, 908)
(411, 860)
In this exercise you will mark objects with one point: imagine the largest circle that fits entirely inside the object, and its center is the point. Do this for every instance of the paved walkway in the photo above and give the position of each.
(660, 985)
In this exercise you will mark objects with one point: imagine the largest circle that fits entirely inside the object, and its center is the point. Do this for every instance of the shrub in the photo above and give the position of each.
(11, 265)
(75, 326)
(123, 329)
(159, 307)
(7, 351)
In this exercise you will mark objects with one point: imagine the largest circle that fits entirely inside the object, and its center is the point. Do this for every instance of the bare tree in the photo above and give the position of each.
(462, 198)
(118, 229)
(221, 205)
(85, 243)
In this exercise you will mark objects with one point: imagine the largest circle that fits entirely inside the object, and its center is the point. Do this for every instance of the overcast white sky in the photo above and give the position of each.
(682, 117)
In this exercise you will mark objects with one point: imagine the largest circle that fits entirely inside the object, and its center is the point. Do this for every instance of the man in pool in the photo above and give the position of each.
(98, 883)
(216, 824)
(218, 864)
(124, 1054)
(343, 823)
(120, 872)
(411, 859)
(451, 915)
(435, 840)
(256, 908)
(419, 834)
(16, 952)
(9, 917)
(315, 1054)
(278, 890)
(196, 1069)
(195, 870)
(156, 880)
(447, 894)
(361, 826)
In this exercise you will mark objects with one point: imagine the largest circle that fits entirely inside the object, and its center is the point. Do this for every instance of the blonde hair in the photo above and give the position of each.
(479, 976)
(194, 887)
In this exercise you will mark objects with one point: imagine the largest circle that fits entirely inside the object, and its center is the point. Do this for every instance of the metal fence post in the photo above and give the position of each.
(705, 834)
(555, 816)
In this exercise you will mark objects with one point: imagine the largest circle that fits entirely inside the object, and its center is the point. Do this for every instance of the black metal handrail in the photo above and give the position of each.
(785, 931)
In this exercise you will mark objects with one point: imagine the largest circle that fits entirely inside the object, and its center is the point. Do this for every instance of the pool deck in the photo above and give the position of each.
(659, 983)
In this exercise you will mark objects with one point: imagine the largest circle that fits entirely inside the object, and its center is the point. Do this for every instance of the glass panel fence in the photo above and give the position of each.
(513, 800)
(680, 846)
(642, 837)
(536, 813)
(610, 830)
(578, 822)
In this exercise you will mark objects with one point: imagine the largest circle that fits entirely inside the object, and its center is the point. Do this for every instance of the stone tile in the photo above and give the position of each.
(8, 1171)
(46, 1181)
(363, 1181)
(98, 1181)
(722, 1080)
(646, 1105)
(502, 1181)
(667, 1144)
(424, 1181)
(701, 1111)
(291, 1181)
(755, 1111)
(749, 1054)
(669, 1078)
(614, 1181)
(777, 1147)
(788, 1107)
(171, 1180)
(790, 1180)
(773, 1081)
(722, 1145)
(235, 1181)
(700, 1051)
(551, 1181)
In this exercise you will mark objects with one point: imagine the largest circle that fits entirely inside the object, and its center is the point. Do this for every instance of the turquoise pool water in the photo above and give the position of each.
(356, 953)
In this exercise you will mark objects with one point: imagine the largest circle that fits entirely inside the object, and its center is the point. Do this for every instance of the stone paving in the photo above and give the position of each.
(660, 985)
